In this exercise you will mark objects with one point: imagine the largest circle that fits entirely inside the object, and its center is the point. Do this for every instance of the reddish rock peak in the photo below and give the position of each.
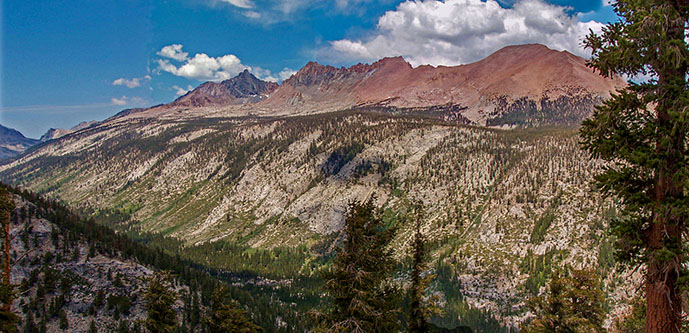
(391, 61)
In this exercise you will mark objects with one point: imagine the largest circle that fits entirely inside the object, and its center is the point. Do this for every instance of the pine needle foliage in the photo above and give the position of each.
(8, 319)
(363, 299)
(421, 308)
(225, 316)
(573, 304)
(160, 297)
(642, 131)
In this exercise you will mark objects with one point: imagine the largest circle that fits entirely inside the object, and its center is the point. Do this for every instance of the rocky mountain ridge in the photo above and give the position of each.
(241, 89)
(517, 86)
(13, 143)
(56, 133)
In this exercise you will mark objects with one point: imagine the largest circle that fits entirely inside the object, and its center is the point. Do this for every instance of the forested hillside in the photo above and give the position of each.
(266, 197)
(75, 275)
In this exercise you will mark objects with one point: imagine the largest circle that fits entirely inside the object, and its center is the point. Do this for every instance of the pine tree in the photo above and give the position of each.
(8, 319)
(635, 320)
(159, 298)
(574, 303)
(224, 316)
(361, 299)
(419, 309)
(642, 130)
(92, 327)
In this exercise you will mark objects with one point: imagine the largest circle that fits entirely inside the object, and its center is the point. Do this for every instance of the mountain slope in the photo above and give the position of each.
(13, 143)
(498, 203)
(266, 184)
(73, 272)
(517, 86)
(522, 85)
(56, 133)
(244, 88)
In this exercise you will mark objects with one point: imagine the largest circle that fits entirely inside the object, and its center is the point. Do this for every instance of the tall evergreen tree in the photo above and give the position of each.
(362, 299)
(224, 316)
(574, 303)
(8, 319)
(159, 298)
(419, 309)
(642, 131)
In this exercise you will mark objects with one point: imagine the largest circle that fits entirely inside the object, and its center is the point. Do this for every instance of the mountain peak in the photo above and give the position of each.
(13, 142)
(244, 74)
(243, 88)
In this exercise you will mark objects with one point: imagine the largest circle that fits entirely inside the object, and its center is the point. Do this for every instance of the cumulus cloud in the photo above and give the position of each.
(119, 101)
(453, 32)
(267, 75)
(179, 91)
(201, 67)
(124, 100)
(173, 51)
(130, 83)
(286, 73)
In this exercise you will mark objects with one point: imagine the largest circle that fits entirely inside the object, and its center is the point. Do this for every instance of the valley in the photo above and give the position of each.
(252, 181)
(267, 196)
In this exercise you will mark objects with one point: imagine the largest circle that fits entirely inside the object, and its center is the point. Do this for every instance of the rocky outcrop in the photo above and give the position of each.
(242, 89)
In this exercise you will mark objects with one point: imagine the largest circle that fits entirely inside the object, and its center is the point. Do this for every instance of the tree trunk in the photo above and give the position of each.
(663, 300)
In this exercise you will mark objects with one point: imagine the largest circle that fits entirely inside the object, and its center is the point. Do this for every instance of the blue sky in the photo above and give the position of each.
(69, 61)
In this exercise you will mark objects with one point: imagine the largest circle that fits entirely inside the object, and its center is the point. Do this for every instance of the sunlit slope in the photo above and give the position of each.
(501, 206)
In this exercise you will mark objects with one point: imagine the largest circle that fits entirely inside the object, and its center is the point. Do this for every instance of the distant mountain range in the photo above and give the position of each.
(13, 143)
(517, 86)
(56, 133)
(243, 165)
(524, 86)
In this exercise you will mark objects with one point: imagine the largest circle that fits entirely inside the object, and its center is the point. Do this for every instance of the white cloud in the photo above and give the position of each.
(453, 32)
(267, 75)
(179, 91)
(201, 67)
(124, 100)
(133, 83)
(119, 101)
(206, 68)
(240, 3)
(286, 73)
(173, 51)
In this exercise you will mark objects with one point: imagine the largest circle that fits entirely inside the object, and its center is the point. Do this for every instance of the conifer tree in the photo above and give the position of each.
(574, 303)
(362, 300)
(159, 298)
(419, 310)
(224, 316)
(635, 320)
(642, 130)
(8, 319)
